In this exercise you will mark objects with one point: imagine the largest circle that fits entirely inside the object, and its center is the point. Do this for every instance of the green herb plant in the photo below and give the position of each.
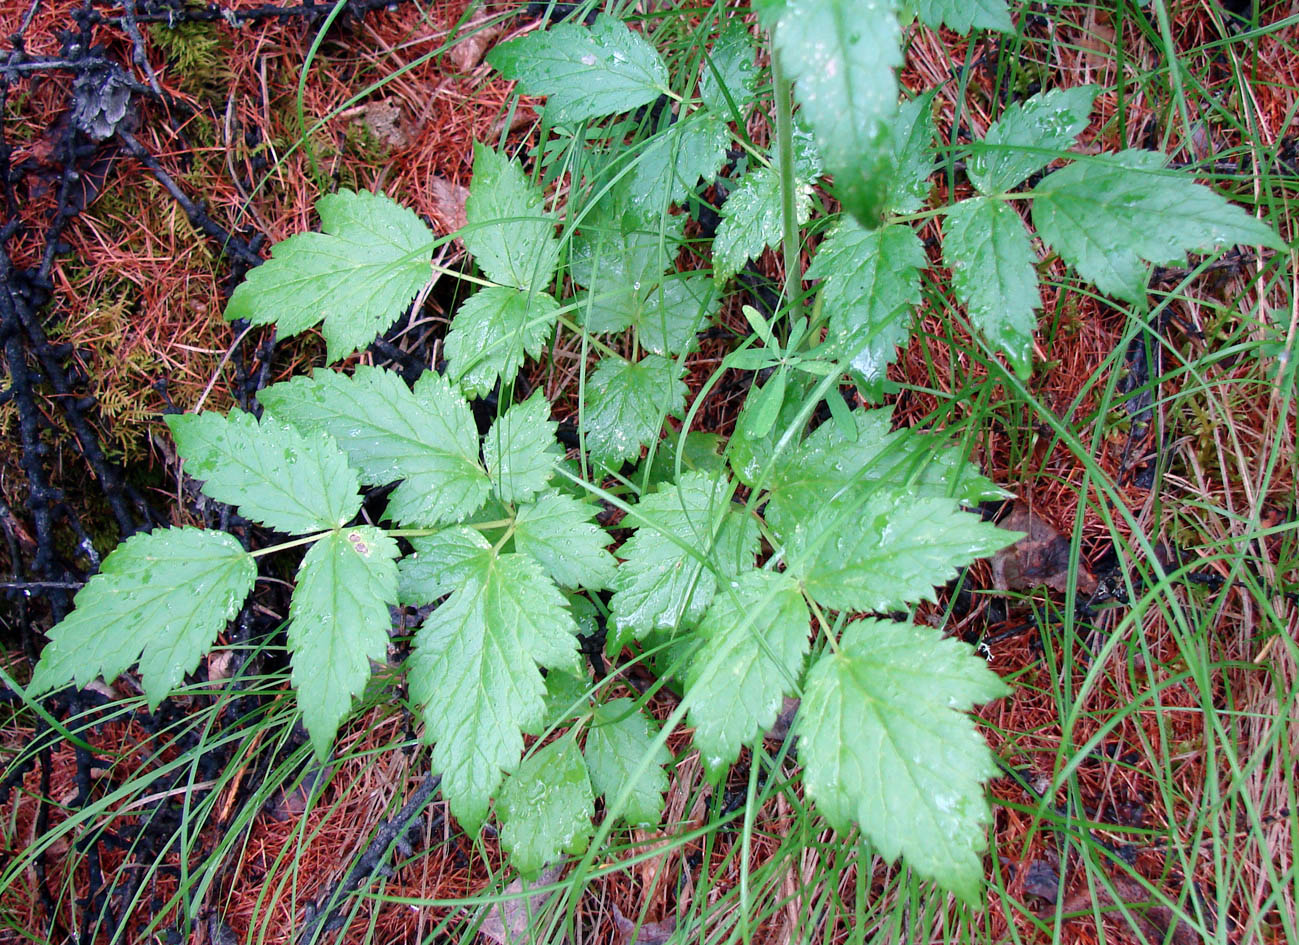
(780, 561)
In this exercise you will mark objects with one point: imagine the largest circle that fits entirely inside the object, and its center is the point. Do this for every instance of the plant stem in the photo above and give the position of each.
(788, 187)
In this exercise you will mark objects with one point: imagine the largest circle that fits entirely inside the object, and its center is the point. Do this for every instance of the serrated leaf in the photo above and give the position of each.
(339, 623)
(510, 234)
(626, 403)
(1028, 136)
(357, 275)
(827, 463)
(546, 808)
(729, 70)
(911, 772)
(877, 550)
(586, 73)
(566, 697)
(749, 456)
(912, 133)
(752, 219)
(675, 311)
(290, 481)
(964, 15)
(160, 599)
(872, 286)
(699, 451)
(616, 255)
(520, 450)
(670, 166)
(620, 739)
(1110, 215)
(439, 564)
(473, 673)
(425, 437)
(992, 262)
(492, 331)
(841, 55)
(754, 638)
(559, 532)
(686, 535)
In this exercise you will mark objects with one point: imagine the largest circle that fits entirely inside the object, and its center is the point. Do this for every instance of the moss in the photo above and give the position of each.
(199, 54)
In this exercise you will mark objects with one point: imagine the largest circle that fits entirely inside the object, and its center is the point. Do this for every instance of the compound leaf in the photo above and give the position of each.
(912, 133)
(587, 73)
(877, 550)
(425, 437)
(560, 533)
(1028, 136)
(290, 481)
(872, 285)
(992, 262)
(358, 274)
(675, 159)
(439, 564)
(827, 462)
(841, 55)
(626, 403)
(910, 773)
(1110, 215)
(752, 221)
(729, 70)
(520, 450)
(473, 673)
(510, 233)
(339, 623)
(686, 535)
(546, 807)
(492, 331)
(963, 15)
(755, 636)
(621, 738)
(160, 598)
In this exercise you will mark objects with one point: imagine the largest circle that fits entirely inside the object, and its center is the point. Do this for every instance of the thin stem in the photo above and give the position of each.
(788, 187)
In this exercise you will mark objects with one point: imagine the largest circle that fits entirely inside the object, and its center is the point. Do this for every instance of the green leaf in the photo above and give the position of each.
(673, 312)
(617, 255)
(492, 331)
(1028, 136)
(510, 233)
(520, 450)
(877, 550)
(686, 535)
(827, 463)
(358, 275)
(962, 15)
(290, 481)
(750, 456)
(439, 564)
(871, 288)
(731, 60)
(1111, 214)
(699, 451)
(160, 598)
(626, 403)
(670, 166)
(425, 437)
(585, 73)
(560, 533)
(841, 55)
(473, 673)
(754, 641)
(752, 219)
(912, 133)
(546, 808)
(567, 697)
(620, 740)
(992, 262)
(886, 744)
(339, 623)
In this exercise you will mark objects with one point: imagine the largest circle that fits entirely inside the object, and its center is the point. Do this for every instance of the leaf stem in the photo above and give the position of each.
(788, 187)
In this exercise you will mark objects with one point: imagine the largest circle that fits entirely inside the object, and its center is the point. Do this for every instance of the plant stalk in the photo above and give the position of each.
(788, 188)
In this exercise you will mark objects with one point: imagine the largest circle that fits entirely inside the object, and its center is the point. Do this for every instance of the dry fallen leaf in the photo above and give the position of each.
(468, 52)
(1040, 558)
(647, 933)
(509, 921)
(449, 202)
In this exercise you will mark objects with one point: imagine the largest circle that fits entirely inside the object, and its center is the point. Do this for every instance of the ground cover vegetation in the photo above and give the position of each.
(662, 534)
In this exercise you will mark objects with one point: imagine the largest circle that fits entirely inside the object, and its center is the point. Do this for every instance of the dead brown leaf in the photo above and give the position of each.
(647, 933)
(1040, 558)
(468, 52)
(449, 202)
(509, 921)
